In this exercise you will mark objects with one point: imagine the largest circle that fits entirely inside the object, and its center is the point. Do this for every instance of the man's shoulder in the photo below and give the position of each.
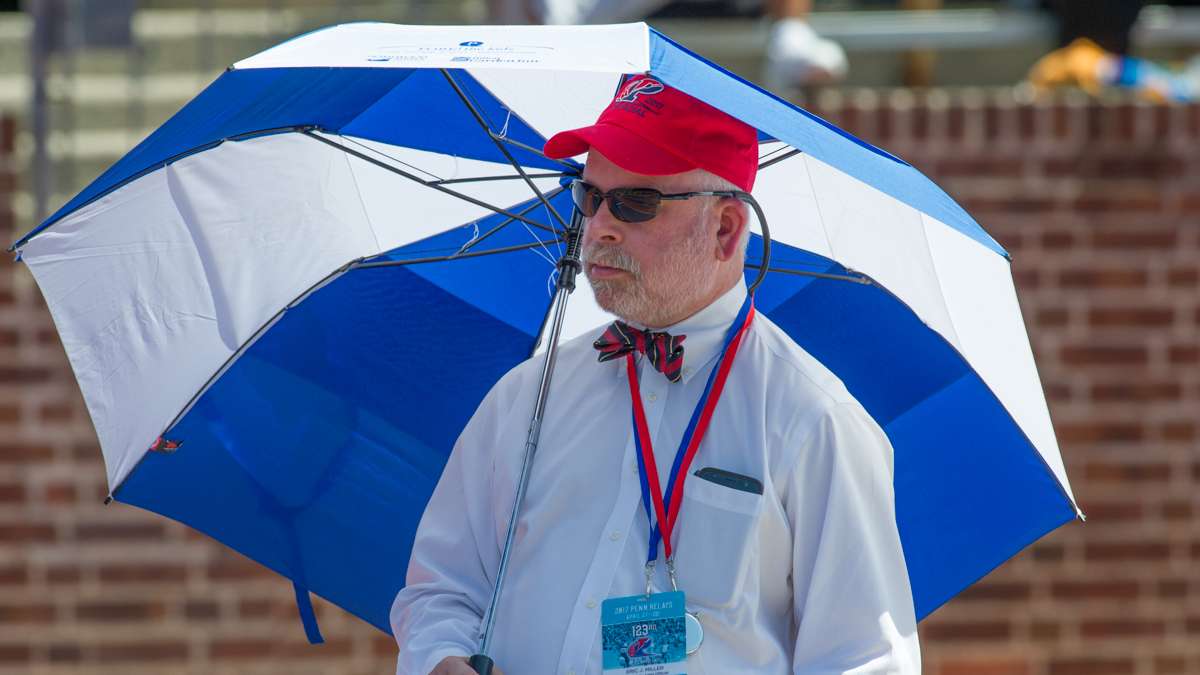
(799, 375)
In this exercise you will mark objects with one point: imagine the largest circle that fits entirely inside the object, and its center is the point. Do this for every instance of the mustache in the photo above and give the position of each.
(610, 256)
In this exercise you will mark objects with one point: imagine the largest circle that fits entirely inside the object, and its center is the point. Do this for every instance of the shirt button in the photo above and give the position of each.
(616, 534)
(591, 604)
(653, 396)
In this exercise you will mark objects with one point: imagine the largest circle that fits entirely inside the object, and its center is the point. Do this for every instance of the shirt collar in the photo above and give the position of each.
(706, 330)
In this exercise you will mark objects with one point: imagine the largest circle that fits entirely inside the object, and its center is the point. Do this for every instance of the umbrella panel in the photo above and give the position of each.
(960, 458)
(315, 451)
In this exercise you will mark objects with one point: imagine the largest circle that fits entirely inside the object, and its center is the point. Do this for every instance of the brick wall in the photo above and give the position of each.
(1099, 206)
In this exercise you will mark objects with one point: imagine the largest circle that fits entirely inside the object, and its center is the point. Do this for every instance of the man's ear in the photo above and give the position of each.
(732, 220)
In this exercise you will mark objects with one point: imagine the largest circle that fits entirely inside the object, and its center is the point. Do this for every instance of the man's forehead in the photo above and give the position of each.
(606, 175)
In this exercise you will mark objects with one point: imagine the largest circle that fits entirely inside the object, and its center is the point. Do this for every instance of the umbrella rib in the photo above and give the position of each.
(482, 179)
(500, 146)
(429, 184)
(820, 275)
(453, 256)
(776, 160)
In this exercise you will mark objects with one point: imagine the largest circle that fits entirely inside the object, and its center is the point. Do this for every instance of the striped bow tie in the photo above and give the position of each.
(663, 350)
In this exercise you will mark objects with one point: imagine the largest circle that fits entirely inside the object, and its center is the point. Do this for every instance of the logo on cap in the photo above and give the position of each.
(635, 88)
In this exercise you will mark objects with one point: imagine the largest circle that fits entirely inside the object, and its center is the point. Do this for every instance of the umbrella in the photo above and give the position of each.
(284, 304)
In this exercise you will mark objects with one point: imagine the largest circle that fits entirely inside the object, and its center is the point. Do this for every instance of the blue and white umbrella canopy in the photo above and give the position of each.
(299, 288)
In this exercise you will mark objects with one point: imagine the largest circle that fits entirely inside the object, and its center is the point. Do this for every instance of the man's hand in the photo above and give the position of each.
(457, 665)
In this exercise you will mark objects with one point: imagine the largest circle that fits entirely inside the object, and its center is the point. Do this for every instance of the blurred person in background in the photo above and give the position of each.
(796, 55)
(1094, 40)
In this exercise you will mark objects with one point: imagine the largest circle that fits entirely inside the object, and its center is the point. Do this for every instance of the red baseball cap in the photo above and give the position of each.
(656, 130)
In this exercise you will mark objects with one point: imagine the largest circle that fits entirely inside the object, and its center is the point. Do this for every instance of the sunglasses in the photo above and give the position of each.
(632, 205)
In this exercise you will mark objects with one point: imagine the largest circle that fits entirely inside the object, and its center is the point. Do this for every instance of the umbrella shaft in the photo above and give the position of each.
(566, 283)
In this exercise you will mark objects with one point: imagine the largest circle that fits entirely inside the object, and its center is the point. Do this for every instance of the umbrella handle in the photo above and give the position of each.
(481, 664)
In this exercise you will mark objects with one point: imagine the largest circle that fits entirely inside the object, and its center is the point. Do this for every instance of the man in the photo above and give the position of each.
(784, 544)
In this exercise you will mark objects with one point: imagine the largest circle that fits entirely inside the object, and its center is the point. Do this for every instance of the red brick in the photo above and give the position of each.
(1183, 277)
(1057, 240)
(1116, 665)
(13, 574)
(138, 573)
(1052, 317)
(1123, 122)
(1170, 664)
(975, 166)
(201, 610)
(46, 336)
(967, 631)
(996, 591)
(1173, 589)
(1099, 432)
(1137, 317)
(1128, 472)
(1185, 354)
(1160, 238)
(1045, 631)
(38, 612)
(231, 569)
(1125, 551)
(12, 493)
(1107, 589)
(1107, 277)
(1138, 390)
(982, 666)
(60, 493)
(1177, 510)
(124, 532)
(141, 652)
(53, 413)
(119, 611)
(1144, 167)
(15, 653)
(22, 453)
(10, 374)
(257, 608)
(1103, 355)
(240, 648)
(383, 645)
(1122, 628)
(1179, 430)
(1047, 552)
(25, 532)
(58, 575)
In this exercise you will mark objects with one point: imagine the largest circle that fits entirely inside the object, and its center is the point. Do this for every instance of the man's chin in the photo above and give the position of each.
(612, 296)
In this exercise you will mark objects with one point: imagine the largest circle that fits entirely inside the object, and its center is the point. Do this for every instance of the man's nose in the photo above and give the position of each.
(602, 227)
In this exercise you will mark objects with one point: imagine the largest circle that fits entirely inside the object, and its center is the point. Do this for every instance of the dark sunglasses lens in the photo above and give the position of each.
(586, 197)
(634, 205)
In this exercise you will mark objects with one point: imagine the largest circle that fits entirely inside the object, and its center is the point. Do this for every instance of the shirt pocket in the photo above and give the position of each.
(716, 535)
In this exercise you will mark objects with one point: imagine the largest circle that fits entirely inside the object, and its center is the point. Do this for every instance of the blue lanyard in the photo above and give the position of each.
(664, 511)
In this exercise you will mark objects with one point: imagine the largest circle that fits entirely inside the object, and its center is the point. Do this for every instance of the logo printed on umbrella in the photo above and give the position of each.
(471, 43)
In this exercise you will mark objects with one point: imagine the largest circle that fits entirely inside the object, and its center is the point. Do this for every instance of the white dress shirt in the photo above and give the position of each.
(808, 577)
